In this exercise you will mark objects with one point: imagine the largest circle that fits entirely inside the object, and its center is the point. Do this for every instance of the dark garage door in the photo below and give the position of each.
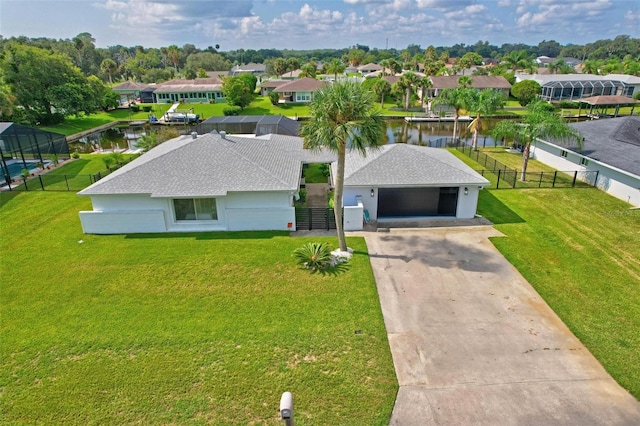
(408, 202)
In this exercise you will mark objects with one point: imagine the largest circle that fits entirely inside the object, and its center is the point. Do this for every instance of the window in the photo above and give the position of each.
(584, 161)
(303, 96)
(564, 153)
(195, 209)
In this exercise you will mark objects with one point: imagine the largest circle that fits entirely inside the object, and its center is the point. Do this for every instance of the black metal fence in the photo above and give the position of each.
(308, 218)
(502, 176)
(52, 181)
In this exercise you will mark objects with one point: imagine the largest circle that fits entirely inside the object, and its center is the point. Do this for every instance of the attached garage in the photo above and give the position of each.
(401, 181)
(417, 202)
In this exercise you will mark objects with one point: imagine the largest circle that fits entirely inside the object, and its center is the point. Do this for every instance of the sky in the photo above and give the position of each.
(301, 25)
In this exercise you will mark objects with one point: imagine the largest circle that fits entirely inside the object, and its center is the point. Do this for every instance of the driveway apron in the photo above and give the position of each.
(474, 344)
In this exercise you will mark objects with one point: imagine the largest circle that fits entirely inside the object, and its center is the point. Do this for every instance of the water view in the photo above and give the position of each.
(430, 133)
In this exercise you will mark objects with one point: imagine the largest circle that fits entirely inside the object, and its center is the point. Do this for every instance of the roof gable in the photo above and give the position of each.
(302, 85)
(408, 165)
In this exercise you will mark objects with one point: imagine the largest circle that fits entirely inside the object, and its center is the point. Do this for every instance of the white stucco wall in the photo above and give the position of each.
(467, 203)
(616, 182)
(369, 203)
(116, 214)
(353, 216)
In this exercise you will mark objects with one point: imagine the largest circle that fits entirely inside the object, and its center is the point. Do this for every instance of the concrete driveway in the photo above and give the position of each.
(474, 344)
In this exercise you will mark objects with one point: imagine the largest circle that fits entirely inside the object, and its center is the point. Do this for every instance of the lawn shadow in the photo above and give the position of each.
(340, 268)
(495, 210)
(239, 235)
(7, 196)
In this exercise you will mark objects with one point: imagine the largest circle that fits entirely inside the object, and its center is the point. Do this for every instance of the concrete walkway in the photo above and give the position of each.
(474, 344)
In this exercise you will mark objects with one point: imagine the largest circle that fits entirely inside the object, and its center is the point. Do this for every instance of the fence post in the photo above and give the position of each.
(575, 176)
(66, 181)
(540, 182)
(41, 184)
(515, 177)
(498, 181)
(310, 218)
(555, 174)
(595, 182)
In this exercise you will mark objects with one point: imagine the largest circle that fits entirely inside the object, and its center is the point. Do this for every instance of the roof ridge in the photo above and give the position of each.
(219, 139)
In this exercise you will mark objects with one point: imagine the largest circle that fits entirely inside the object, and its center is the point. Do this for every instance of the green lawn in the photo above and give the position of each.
(74, 175)
(181, 328)
(313, 174)
(579, 249)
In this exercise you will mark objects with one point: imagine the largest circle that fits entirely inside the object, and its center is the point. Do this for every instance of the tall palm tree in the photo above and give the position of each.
(540, 122)
(458, 99)
(516, 59)
(380, 89)
(341, 114)
(484, 103)
(335, 67)
(173, 52)
(292, 64)
(424, 83)
(109, 67)
(407, 81)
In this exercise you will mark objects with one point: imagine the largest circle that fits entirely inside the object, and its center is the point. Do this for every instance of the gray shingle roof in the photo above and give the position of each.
(613, 141)
(208, 166)
(303, 85)
(408, 165)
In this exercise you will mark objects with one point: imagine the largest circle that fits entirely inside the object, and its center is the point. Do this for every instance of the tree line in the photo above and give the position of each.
(43, 79)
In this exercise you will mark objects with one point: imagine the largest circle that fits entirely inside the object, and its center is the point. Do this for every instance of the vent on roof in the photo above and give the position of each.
(194, 135)
(223, 134)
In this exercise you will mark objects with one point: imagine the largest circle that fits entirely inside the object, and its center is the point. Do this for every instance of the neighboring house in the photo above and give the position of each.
(250, 68)
(129, 91)
(407, 182)
(190, 91)
(267, 87)
(480, 82)
(610, 156)
(557, 87)
(368, 68)
(299, 91)
(218, 74)
(200, 183)
(545, 61)
(251, 124)
(291, 75)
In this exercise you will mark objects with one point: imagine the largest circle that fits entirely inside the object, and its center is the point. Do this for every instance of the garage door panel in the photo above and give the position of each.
(404, 202)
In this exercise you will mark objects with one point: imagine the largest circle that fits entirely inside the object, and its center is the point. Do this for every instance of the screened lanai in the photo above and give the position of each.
(23, 147)
(576, 89)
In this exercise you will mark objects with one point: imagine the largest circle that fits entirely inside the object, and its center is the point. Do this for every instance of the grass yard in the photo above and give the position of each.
(313, 174)
(73, 175)
(579, 249)
(205, 328)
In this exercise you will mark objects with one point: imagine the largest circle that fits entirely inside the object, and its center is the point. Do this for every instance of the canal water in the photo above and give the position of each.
(397, 131)
(430, 133)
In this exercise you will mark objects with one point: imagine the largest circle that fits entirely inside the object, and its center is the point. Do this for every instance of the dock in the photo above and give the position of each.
(436, 119)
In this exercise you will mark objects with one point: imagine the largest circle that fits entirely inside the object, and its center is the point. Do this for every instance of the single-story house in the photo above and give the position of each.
(190, 91)
(610, 156)
(200, 183)
(299, 91)
(407, 182)
(479, 82)
(267, 86)
(557, 87)
(250, 68)
(370, 67)
(219, 182)
(129, 91)
(291, 75)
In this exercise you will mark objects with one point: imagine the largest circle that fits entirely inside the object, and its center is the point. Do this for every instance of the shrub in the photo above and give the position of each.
(232, 110)
(134, 108)
(147, 108)
(325, 169)
(303, 195)
(75, 154)
(274, 97)
(315, 256)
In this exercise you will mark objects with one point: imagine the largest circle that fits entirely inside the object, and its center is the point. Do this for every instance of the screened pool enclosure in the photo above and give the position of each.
(23, 147)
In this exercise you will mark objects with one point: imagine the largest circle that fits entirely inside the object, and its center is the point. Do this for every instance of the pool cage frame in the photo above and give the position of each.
(22, 143)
